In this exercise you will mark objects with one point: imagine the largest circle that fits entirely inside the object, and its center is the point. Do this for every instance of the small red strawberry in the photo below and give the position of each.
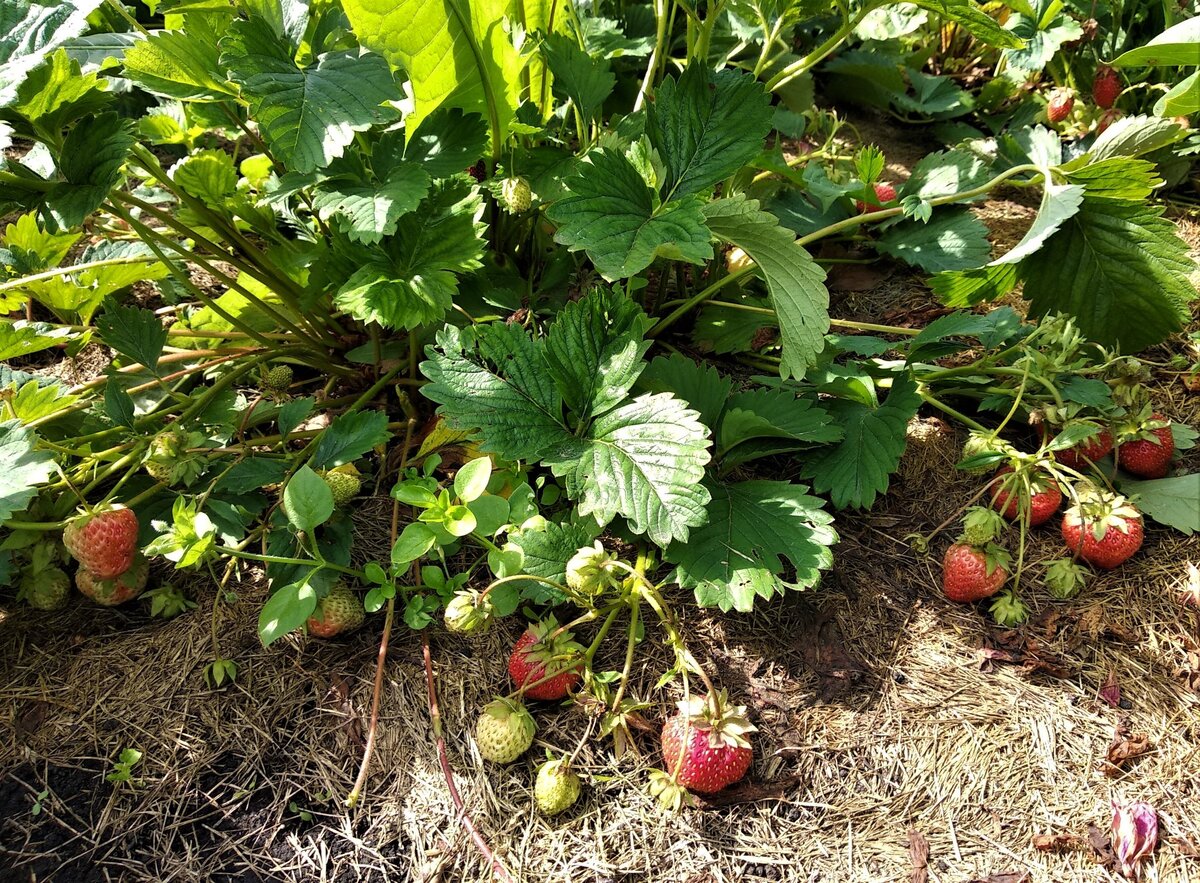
(1042, 494)
(545, 664)
(1147, 447)
(104, 541)
(1106, 87)
(1098, 446)
(117, 590)
(704, 745)
(971, 573)
(338, 612)
(1060, 104)
(884, 193)
(1103, 529)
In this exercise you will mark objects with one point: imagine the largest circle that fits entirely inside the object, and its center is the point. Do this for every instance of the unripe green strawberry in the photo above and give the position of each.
(116, 590)
(278, 379)
(469, 612)
(337, 613)
(47, 589)
(516, 194)
(556, 787)
(344, 486)
(1064, 578)
(164, 454)
(504, 731)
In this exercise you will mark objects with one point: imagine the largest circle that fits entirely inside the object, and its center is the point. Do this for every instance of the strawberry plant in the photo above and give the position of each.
(549, 280)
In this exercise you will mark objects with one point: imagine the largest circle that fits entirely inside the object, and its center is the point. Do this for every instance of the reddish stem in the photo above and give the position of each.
(463, 816)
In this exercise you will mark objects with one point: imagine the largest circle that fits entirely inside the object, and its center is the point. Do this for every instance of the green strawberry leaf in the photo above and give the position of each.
(90, 164)
(855, 471)
(587, 81)
(953, 239)
(371, 210)
(349, 437)
(645, 461)
(976, 22)
(288, 608)
(943, 173)
(456, 54)
(595, 349)
(735, 559)
(492, 379)
(794, 280)
(547, 552)
(763, 422)
(22, 468)
(448, 142)
(308, 115)
(181, 65)
(613, 215)
(252, 474)
(30, 30)
(133, 332)
(55, 95)
(22, 338)
(307, 500)
(698, 384)
(706, 126)
(1173, 502)
(411, 279)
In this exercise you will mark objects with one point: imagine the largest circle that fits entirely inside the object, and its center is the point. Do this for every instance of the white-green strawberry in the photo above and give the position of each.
(343, 485)
(504, 731)
(339, 612)
(556, 787)
(516, 194)
(46, 589)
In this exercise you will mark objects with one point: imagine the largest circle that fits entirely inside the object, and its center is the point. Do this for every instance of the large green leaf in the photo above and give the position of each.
(977, 22)
(369, 210)
(1177, 45)
(493, 379)
(737, 557)
(22, 338)
(1174, 502)
(764, 422)
(612, 214)
(447, 142)
(307, 115)
(645, 461)
(547, 552)
(1060, 202)
(953, 240)
(1119, 268)
(698, 384)
(412, 277)
(858, 469)
(594, 351)
(90, 164)
(1041, 41)
(706, 126)
(794, 280)
(22, 468)
(585, 80)
(943, 173)
(178, 64)
(349, 437)
(29, 30)
(56, 94)
(456, 53)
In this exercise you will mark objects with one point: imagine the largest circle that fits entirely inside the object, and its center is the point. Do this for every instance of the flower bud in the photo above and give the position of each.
(591, 570)
(469, 612)
(1134, 834)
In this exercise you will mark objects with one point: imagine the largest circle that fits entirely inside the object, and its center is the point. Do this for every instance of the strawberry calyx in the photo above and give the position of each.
(981, 526)
(1101, 511)
(556, 651)
(724, 723)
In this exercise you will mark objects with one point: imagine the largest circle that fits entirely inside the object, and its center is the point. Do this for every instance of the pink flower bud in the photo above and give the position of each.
(1134, 834)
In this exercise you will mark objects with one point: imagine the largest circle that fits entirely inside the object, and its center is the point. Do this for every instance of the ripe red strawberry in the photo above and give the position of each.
(1060, 104)
(338, 612)
(1099, 445)
(884, 193)
(971, 573)
(104, 541)
(1103, 529)
(1044, 496)
(117, 590)
(1106, 87)
(1148, 450)
(546, 665)
(704, 745)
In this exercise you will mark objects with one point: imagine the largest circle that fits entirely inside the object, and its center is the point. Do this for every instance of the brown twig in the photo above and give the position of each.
(435, 718)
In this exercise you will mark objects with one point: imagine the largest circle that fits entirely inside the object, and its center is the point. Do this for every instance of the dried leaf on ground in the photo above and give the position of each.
(1101, 846)
(1005, 877)
(749, 792)
(820, 640)
(1015, 648)
(1111, 691)
(918, 853)
(1125, 747)
(1055, 842)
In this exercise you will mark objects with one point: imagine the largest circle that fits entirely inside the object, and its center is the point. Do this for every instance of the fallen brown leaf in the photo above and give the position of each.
(749, 792)
(1101, 847)
(918, 853)
(1125, 746)
(1005, 877)
(1055, 842)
